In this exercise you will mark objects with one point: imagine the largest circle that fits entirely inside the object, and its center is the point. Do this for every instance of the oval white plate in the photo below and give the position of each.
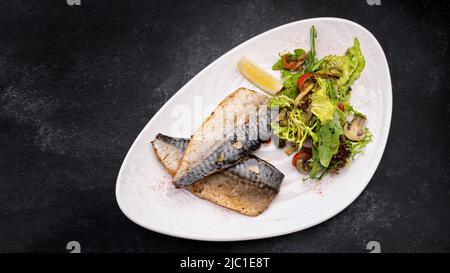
(144, 191)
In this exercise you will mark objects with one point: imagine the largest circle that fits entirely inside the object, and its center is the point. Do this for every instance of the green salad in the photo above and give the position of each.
(315, 116)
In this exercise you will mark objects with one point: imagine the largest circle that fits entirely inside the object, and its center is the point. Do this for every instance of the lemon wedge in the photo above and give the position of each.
(258, 76)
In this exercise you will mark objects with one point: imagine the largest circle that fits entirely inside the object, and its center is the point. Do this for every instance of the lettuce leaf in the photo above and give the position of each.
(356, 62)
(290, 85)
(316, 167)
(321, 105)
(299, 52)
(340, 64)
(349, 67)
(329, 135)
(281, 101)
(278, 65)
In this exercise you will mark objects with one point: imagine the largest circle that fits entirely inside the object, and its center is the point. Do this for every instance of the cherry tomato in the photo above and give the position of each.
(301, 81)
(341, 106)
(304, 154)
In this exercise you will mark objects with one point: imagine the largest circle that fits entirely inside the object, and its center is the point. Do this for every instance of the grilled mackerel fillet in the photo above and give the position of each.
(247, 187)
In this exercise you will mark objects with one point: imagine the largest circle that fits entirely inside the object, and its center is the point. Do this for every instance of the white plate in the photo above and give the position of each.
(144, 191)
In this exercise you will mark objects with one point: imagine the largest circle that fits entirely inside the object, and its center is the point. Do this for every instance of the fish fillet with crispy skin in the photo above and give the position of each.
(248, 187)
(230, 133)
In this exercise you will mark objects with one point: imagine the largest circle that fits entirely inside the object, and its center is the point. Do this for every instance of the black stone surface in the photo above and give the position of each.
(78, 83)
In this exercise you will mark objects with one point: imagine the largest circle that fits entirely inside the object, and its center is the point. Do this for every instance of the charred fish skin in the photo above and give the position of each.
(169, 151)
(225, 156)
(180, 143)
(258, 171)
(250, 168)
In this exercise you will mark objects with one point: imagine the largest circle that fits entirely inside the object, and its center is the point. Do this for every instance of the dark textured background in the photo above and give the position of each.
(77, 84)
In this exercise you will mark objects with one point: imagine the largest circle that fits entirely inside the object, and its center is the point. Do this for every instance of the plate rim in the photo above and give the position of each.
(293, 229)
